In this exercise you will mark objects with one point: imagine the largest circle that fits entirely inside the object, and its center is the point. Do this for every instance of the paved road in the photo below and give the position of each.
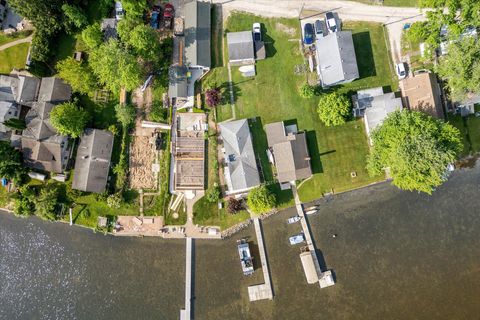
(393, 17)
(14, 43)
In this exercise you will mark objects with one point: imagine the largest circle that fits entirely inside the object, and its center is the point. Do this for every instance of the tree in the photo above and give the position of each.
(306, 91)
(47, 17)
(144, 40)
(125, 115)
(213, 97)
(92, 36)
(11, 163)
(77, 74)
(24, 203)
(46, 203)
(261, 200)
(234, 205)
(461, 68)
(115, 66)
(68, 119)
(125, 27)
(134, 8)
(15, 124)
(416, 148)
(213, 194)
(74, 16)
(333, 109)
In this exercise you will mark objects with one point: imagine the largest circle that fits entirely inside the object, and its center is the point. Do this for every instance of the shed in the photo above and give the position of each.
(240, 48)
(197, 34)
(422, 93)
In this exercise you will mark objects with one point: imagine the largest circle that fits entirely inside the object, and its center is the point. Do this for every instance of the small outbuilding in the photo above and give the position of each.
(241, 50)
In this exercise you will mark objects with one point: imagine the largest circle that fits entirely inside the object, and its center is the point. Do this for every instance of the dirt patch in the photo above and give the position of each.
(285, 29)
(469, 162)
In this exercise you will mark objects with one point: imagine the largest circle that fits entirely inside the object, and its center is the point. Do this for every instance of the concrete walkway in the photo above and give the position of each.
(14, 43)
(186, 314)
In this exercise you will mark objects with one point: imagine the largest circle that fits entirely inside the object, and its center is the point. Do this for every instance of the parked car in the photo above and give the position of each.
(118, 10)
(319, 29)
(331, 22)
(293, 219)
(168, 13)
(154, 19)
(308, 33)
(296, 239)
(400, 68)
(257, 32)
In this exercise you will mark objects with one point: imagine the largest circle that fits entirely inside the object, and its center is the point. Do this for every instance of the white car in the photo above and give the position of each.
(257, 32)
(118, 10)
(296, 239)
(293, 219)
(331, 22)
(401, 70)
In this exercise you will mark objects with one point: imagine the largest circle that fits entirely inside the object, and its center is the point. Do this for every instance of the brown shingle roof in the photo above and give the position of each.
(422, 93)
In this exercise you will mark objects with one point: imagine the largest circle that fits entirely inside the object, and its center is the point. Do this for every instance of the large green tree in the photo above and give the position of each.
(261, 200)
(11, 163)
(77, 74)
(416, 148)
(134, 7)
(74, 16)
(461, 67)
(24, 203)
(69, 119)
(126, 25)
(92, 36)
(144, 40)
(115, 66)
(333, 109)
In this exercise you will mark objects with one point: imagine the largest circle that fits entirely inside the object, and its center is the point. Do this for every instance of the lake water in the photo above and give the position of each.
(398, 255)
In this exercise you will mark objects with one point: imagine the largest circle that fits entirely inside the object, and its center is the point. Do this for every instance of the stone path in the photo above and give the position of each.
(14, 43)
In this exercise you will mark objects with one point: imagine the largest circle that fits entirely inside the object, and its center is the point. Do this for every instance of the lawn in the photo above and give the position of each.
(392, 3)
(272, 96)
(13, 57)
(470, 130)
(6, 38)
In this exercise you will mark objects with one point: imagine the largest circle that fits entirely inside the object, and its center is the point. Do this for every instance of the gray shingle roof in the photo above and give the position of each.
(242, 170)
(177, 87)
(290, 152)
(336, 58)
(27, 89)
(54, 90)
(378, 109)
(93, 161)
(197, 33)
(240, 46)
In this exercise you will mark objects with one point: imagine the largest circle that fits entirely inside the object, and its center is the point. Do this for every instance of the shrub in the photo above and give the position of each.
(115, 200)
(333, 109)
(213, 97)
(306, 91)
(213, 194)
(234, 205)
(261, 200)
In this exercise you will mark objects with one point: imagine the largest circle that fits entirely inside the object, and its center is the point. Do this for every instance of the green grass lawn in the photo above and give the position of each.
(13, 57)
(392, 3)
(272, 96)
(4, 197)
(6, 38)
(470, 131)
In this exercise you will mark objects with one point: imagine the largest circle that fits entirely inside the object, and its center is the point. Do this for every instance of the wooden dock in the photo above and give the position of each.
(261, 291)
(186, 314)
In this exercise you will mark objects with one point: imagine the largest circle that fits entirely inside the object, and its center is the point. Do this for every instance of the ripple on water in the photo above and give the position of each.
(38, 277)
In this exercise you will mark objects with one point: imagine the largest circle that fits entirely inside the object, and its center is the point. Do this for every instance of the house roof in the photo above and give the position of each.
(177, 86)
(109, 28)
(379, 108)
(7, 111)
(197, 33)
(422, 93)
(336, 58)
(92, 163)
(27, 89)
(239, 155)
(8, 88)
(240, 46)
(191, 121)
(54, 90)
(42, 146)
(290, 152)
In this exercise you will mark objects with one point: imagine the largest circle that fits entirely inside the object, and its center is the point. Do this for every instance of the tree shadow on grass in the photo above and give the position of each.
(364, 54)
(260, 146)
(269, 43)
(312, 145)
